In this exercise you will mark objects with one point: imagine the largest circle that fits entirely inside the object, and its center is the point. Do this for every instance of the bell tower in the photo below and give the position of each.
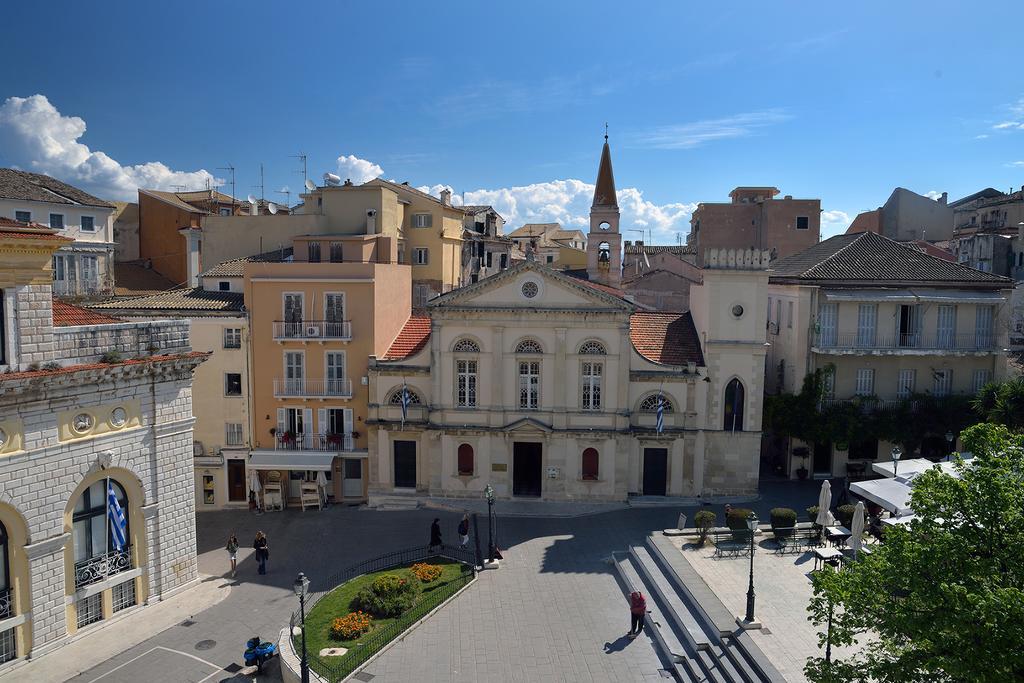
(604, 243)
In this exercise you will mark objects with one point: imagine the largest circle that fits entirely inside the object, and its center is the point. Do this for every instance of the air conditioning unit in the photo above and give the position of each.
(312, 331)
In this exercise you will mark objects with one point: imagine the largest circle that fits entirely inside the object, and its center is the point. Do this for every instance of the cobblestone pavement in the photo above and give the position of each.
(549, 613)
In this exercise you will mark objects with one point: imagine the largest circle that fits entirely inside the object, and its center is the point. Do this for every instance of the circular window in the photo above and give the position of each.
(530, 289)
(737, 310)
(3, 438)
(83, 422)
(118, 417)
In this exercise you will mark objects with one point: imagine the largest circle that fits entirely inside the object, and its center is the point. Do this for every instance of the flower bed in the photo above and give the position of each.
(426, 572)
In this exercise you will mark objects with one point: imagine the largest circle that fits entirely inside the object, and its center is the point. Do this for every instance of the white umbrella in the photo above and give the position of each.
(857, 528)
(824, 502)
(254, 481)
(321, 482)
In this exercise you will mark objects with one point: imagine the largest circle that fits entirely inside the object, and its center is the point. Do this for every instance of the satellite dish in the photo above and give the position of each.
(252, 200)
(310, 186)
(272, 208)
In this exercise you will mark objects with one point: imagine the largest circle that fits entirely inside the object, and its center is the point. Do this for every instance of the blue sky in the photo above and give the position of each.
(841, 101)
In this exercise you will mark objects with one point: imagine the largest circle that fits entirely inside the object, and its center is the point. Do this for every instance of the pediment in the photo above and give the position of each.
(528, 425)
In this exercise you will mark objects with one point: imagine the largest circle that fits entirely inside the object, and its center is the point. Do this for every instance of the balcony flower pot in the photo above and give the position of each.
(801, 473)
(355, 435)
(288, 437)
(334, 439)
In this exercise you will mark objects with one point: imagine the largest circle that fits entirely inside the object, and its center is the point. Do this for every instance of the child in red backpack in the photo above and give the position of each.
(637, 611)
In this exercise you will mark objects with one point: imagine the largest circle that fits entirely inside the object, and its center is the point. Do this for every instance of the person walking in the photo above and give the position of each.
(232, 548)
(637, 612)
(464, 530)
(262, 548)
(435, 534)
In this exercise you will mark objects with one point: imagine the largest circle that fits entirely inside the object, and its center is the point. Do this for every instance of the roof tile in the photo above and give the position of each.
(66, 315)
(36, 187)
(194, 299)
(667, 338)
(411, 340)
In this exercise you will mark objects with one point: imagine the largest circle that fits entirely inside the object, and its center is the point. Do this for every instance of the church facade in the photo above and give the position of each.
(555, 387)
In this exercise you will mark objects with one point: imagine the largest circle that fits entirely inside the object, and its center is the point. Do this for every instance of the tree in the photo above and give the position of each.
(942, 600)
(1002, 403)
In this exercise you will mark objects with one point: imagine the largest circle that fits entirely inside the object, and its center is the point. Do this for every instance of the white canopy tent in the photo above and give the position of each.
(916, 466)
(891, 494)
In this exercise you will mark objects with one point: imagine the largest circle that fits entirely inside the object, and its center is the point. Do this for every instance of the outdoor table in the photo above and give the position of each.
(826, 556)
(838, 534)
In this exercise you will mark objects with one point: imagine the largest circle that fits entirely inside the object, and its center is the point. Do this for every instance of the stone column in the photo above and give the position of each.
(49, 590)
(560, 404)
(497, 389)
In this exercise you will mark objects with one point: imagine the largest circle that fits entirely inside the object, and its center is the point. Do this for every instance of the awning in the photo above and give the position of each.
(891, 494)
(918, 465)
(283, 460)
(914, 296)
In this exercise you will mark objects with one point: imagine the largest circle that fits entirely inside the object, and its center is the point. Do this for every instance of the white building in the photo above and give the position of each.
(84, 266)
(88, 404)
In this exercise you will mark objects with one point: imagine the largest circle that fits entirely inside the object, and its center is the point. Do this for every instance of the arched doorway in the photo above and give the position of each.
(734, 404)
(15, 595)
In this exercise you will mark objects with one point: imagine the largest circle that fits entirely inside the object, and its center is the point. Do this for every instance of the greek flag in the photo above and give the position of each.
(118, 522)
(405, 403)
(661, 414)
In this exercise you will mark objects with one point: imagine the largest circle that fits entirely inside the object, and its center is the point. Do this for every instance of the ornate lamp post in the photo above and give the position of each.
(896, 454)
(301, 586)
(752, 525)
(489, 495)
(949, 440)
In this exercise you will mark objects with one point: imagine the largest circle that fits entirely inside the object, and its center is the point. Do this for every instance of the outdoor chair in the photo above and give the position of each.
(787, 540)
(732, 543)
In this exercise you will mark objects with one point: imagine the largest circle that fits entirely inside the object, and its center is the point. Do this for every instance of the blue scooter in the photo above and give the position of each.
(259, 651)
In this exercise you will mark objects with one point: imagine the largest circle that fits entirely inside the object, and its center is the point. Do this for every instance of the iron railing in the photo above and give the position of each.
(79, 287)
(98, 568)
(868, 404)
(338, 668)
(6, 603)
(313, 329)
(314, 442)
(338, 388)
(978, 341)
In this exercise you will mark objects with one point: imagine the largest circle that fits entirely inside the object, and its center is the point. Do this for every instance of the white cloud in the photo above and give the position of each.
(933, 194)
(35, 136)
(358, 170)
(834, 223)
(1019, 125)
(1016, 164)
(1016, 120)
(689, 135)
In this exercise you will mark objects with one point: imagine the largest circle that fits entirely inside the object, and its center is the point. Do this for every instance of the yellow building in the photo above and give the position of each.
(315, 321)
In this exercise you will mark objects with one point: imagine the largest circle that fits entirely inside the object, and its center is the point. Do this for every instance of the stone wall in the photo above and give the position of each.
(87, 343)
(34, 323)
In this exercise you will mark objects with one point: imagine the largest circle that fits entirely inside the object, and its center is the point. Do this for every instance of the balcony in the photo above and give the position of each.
(76, 288)
(95, 569)
(915, 343)
(314, 442)
(867, 404)
(313, 330)
(6, 604)
(312, 388)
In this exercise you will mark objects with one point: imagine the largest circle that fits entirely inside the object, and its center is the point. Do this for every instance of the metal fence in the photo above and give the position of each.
(343, 666)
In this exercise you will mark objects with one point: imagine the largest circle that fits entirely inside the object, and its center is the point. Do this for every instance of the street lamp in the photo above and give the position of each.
(489, 495)
(301, 586)
(752, 525)
(896, 453)
(949, 440)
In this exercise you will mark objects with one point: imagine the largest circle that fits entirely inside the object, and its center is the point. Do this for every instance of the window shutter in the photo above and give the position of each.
(321, 420)
(282, 421)
(348, 420)
(307, 420)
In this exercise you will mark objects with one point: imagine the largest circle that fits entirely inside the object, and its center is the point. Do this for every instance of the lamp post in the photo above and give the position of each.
(896, 453)
(752, 525)
(489, 495)
(301, 586)
(949, 440)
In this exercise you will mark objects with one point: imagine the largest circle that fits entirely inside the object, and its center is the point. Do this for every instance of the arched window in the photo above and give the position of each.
(650, 404)
(529, 346)
(396, 397)
(592, 347)
(466, 346)
(465, 459)
(734, 406)
(590, 464)
(96, 549)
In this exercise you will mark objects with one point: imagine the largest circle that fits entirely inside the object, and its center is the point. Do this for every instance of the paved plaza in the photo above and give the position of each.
(554, 610)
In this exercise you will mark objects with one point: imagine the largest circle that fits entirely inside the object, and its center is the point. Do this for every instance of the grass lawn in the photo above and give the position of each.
(338, 603)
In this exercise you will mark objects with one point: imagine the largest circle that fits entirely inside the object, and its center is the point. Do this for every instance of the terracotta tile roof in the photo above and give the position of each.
(29, 374)
(868, 258)
(36, 187)
(12, 228)
(172, 199)
(194, 299)
(236, 267)
(134, 279)
(668, 338)
(66, 315)
(580, 277)
(411, 340)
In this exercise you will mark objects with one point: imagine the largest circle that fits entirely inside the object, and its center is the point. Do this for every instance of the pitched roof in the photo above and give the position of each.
(134, 279)
(236, 267)
(667, 338)
(650, 249)
(604, 189)
(12, 228)
(66, 315)
(36, 187)
(194, 299)
(409, 188)
(868, 258)
(411, 340)
(534, 229)
(172, 199)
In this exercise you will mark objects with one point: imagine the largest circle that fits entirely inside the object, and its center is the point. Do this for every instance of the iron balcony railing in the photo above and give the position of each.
(313, 329)
(79, 287)
(978, 341)
(315, 388)
(98, 568)
(6, 603)
(868, 404)
(314, 442)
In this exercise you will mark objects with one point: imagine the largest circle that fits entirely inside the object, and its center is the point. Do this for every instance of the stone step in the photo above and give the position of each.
(393, 502)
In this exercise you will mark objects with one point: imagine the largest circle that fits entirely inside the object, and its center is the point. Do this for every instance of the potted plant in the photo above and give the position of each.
(783, 522)
(736, 520)
(704, 520)
(802, 452)
(334, 440)
(288, 437)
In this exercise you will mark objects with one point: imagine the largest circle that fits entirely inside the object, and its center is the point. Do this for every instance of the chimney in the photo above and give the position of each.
(639, 243)
(628, 243)
(944, 198)
(371, 222)
(446, 197)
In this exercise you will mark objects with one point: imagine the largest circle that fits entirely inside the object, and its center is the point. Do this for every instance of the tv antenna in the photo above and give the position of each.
(261, 186)
(302, 156)
(287, 197)
(179, 188)
(230, 168)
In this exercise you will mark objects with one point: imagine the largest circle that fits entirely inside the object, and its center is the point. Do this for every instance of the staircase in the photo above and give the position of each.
(689, 624)
(393, 501)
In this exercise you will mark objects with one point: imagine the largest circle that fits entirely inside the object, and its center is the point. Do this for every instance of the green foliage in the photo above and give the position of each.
(812, 513)
(844, 513)
(388, 596)
(942, 600)
(704, 520)
(783, 518)
(1002, 403)
(737, 518)
(111, 357)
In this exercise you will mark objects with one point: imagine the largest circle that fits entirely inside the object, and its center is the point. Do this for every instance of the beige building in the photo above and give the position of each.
(485, 249)
(908, 216)
(885, 321)
(659, 276)
(550, 244)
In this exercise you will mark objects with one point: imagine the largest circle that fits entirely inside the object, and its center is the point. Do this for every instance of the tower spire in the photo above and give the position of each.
(604, 191)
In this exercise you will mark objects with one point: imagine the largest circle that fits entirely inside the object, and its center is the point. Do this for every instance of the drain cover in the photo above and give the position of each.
(206, 644)
(233, 668)
(363, 676)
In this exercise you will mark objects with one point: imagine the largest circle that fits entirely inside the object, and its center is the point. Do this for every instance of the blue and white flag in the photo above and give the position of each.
(405, 403)
(118, 522)
(661, 414)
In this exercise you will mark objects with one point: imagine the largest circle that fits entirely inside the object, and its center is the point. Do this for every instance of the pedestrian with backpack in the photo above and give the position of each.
(637, 612)
(464, 530)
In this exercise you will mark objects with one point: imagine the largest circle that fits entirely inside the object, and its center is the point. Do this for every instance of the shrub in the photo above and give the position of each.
(426, 572)
(351, 626)
(783, 518)
(388, 596)
(844, 513)
(704, 520)
(737, 518)
(111, 357)
(812, 513)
